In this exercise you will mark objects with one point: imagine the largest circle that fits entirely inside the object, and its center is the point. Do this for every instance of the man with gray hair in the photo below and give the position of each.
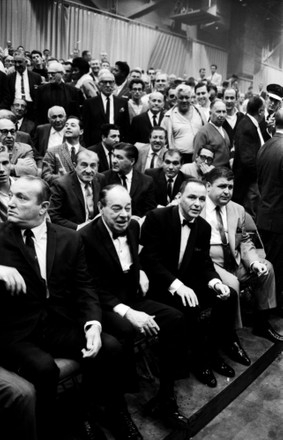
(56, 92)
(182, 122)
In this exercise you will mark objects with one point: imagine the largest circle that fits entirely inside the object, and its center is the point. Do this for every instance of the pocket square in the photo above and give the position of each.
(121, 110)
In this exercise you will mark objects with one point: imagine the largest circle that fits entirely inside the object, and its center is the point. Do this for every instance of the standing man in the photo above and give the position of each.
(213, 134)
(233, 252)
(215, 78)
(248, 140)
(61, 159)
(175, 257)
(142, 124)
(201, 91)
(183, 122)
(112, 245)
(55, 311)
(168, 178)
(104, 108)
(49, 135)
(74, 196)
(233, 116)
(139, 186)
(110, 135)
(38, 65)
(151, 155)
(121, 73)
(270, 211)
(136, 106)
(23, 84)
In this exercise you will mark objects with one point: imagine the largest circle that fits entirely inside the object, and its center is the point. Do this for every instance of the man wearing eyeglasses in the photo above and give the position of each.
(57, 92)
(20, 154)
(201, 165)
(136, 106)
(104, 108)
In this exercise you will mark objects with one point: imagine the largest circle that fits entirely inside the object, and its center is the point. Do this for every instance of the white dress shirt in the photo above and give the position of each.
(55, 137)
(129, 178)
(211, 218)
(111, 102)
(18, 86)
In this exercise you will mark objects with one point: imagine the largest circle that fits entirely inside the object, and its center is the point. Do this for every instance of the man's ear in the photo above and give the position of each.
(44, 207)
(208, 186)
(99, 205)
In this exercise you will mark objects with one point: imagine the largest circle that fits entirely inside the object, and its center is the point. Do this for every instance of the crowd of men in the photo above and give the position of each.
(125, 199)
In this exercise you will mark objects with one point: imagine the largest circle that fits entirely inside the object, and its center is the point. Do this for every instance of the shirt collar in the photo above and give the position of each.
(182, 217)
(53, 131)
(76, 146)
(210, 205)
(38, 231)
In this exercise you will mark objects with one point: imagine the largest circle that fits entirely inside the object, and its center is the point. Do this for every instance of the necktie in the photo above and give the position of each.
(22, 87)
(154, 120)
(170, 188)
(108, 108)
(73, 156)
(110, 159)
(152, 160)
(124, 180)
(31, 248)
(89, 200)
(228, 260)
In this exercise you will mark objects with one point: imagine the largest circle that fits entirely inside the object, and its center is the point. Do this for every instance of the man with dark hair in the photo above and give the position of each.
(55, 313)
(201, 91)
(215, 78)
(19, 108)
(136, 106)
(151, 155)
(139, 186)
(61, 159)
(233, 116)
(248, 140)
(112, 246)
(74, 196)
(270, 211)
(202, 164)
(121, 72)
(175, 257)
(110, 135)
(104, 108)
(168, 178)
(38, 64)
(233, 252)
(82, 79)
(86, 55)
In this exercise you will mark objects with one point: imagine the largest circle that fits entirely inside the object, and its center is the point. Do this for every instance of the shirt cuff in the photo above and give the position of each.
(175, 286)
(90, 323)
(121, 309)
(213, 282)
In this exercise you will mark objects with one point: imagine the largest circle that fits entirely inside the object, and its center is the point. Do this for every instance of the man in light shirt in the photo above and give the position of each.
(233, 253)
(233, 115)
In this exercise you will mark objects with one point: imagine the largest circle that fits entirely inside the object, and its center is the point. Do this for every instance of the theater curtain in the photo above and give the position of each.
(62, 26)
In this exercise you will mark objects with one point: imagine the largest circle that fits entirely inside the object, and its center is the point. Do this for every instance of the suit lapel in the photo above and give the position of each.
(108, 243)
(78, 191)
(66, 155)
(135, 183)
(21, 244)
(51, 248)
(176, 235)
(190, 247)
(232, 226)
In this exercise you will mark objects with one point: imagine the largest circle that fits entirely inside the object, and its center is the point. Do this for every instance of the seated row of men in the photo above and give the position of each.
(81, 295)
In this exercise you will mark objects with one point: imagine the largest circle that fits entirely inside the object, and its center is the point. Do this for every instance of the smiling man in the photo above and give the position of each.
(74, 196)
(151, 155)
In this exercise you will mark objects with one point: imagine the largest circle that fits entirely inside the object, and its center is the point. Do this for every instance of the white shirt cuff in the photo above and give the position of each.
(175, 286)
(213, 282)
(90, 323)
(121, 309)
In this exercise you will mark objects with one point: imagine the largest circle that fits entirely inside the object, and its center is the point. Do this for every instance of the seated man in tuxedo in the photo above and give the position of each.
(110, 135)
(21, 155)
(49, 308)
(175, 257)
(168, 178)
(61, 159)
(139, 186)
(112, 244)
(233, 252)
(51, 134)
(74, 196)
(151, 155)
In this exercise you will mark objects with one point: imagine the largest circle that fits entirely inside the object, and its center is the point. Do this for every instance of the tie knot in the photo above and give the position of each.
(170, 179)
(116, 235)
(28, 233)
(187, 223)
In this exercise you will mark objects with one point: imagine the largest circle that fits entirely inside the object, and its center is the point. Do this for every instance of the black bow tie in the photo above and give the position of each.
(191, 225)
(116, 235)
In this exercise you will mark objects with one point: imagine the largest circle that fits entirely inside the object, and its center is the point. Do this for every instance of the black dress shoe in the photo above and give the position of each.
(218, 365)
(206, 376)
(91, 431)
(166, 409)
(236, 352)
(268, 332)
(123, 427)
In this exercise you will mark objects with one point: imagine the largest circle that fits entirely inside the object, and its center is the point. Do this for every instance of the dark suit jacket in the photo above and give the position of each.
(141, 126)
(40, 140)
(94, 116)
(124, 92)
(34, 81)
(160, 184)
(64, 95)
(103, 163)
(24, 138)
(3, 91)
(247, 145)
(160, 238)
(67, 205)
(105, 267)
(270, 182)
(71, 292)
(231, 131)
(142, 191)
(28, 126)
